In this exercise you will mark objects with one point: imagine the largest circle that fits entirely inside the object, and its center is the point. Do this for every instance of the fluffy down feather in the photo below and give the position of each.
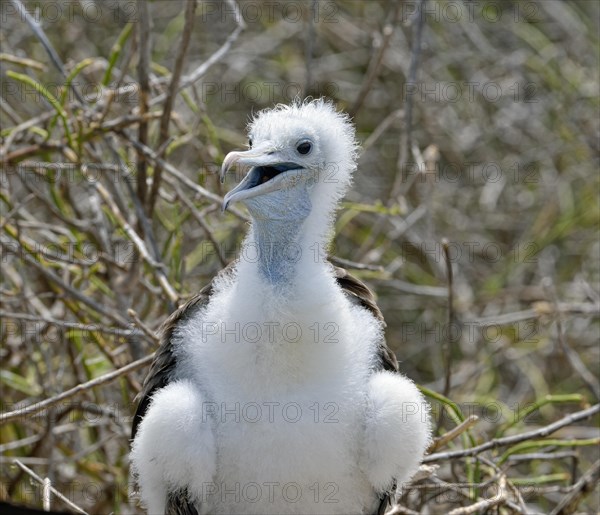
(397, 430)
(175, 445)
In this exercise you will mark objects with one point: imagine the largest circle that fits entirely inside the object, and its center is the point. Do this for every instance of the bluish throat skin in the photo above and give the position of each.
(276, 227)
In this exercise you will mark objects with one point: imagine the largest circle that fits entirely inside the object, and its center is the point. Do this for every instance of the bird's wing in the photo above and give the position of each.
(178, 504)
(358, 293)
(159, 376)
(165, 361)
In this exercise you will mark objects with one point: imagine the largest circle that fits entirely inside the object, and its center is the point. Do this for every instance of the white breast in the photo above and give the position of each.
(286, 383)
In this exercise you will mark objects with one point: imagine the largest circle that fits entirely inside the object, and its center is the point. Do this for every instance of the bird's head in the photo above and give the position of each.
(301, 159)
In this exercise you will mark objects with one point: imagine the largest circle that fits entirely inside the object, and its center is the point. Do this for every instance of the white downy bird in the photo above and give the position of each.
(273, 390)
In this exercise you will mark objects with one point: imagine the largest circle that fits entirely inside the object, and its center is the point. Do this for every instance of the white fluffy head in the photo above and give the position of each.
(331, 162)
(332, 158)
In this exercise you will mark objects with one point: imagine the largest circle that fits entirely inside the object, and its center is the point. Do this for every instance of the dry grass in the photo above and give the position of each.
(479, 126)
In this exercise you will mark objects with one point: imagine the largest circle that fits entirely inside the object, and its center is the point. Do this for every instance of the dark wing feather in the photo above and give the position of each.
(358, 293)
(159, 376)
(178, 504)
(164, 361)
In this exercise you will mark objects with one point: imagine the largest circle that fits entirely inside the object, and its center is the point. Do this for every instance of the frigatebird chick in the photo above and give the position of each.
(273, 390)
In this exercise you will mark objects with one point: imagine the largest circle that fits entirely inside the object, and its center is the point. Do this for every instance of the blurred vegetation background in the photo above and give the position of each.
(479, 123)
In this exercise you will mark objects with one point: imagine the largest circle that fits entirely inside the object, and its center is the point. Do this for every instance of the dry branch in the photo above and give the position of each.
(47, 489)
(32, 409)
(510, 440)
(165, 119)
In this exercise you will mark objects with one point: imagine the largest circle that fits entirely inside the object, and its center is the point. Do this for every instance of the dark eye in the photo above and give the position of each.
(304, 148)
(250, 142)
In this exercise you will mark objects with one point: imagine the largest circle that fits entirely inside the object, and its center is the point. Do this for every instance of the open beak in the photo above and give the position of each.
(267, 172)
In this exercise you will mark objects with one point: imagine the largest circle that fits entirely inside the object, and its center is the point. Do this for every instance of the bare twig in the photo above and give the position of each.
(165, 119)
(377, 60)
(15, 210)
(575, 361)
(159, 267)
(41, 35)
(138, 242)
(406, 287)
(309, 47)
(35, 27)
(199, 72)
(347, 263)
(71, 290)
(484, 504)
(22, 61)
(65, 324)
(143, 33)
(24, 152)
(453, 433)
(169, 168)
(401, 510)
(540, 309)
(385, 124)
(48, 488)
(586, 485)
(32, 409)
(406, 135)
(449, 342)
(519, 505)
(542, 456)
(145, 329)
(510, 440)
(23, 127)
(200, 219)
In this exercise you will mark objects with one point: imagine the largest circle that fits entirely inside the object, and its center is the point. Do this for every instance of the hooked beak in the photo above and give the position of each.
(267, 173)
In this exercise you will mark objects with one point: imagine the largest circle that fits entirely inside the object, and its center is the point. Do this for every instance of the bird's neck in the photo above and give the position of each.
(281, 248)
(289, 234)
(276, 248)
